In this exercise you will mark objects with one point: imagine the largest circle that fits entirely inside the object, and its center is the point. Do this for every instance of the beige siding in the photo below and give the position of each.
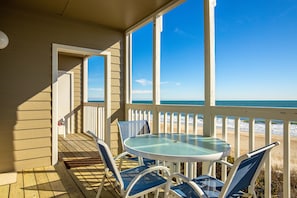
(32, 133)
(117, 99)
(26, 77)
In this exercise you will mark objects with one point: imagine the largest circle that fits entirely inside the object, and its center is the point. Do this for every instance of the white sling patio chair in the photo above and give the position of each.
(130, 129)
(242, 176)
(134, 182)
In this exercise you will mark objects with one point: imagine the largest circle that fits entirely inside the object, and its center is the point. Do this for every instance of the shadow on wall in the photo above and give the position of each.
(25, 81)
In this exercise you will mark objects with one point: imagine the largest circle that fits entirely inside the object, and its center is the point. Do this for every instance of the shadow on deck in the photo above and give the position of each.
(77, 174)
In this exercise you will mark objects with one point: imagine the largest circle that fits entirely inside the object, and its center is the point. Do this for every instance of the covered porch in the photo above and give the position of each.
(77, 174)
(32, 112)
(79, 171)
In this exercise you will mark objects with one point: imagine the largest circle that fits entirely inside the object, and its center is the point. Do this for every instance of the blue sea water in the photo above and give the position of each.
(241, 103)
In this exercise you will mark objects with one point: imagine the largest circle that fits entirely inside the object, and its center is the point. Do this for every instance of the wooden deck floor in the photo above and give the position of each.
(78, 173)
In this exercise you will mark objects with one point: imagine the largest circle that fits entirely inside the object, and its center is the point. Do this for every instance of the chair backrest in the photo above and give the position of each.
(108, 160)
(246, 170)
(90, 133)
(133, 128)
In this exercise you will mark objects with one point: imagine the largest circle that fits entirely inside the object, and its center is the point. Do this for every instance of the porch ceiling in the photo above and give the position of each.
(116, 14)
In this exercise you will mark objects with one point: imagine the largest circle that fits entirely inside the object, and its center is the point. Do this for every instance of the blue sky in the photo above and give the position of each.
(256, 52)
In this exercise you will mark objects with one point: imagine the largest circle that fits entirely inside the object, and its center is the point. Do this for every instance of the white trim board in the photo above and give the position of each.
(56, 49)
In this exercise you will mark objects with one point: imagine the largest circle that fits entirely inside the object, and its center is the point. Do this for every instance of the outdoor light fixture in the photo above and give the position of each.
(3, 40)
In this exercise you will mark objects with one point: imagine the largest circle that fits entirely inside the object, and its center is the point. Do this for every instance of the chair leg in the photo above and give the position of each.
(156, 193)
(120, 164)
(100, 187)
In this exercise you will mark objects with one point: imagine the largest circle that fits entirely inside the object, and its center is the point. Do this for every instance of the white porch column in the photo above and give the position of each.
(128, 77)
(209, 61)
(85, 79)
(107, 96)
(156, 68)
(128, 73)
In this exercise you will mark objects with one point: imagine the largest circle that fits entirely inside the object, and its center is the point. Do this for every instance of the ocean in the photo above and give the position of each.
(277, 126)
(241, 103)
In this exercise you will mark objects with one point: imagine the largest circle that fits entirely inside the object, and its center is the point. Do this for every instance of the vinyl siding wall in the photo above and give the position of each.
(117, 94)
(25, 82)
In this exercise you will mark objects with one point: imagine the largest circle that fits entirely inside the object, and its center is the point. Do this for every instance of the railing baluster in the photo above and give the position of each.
(94, 117)
(237, 137)
(172, 123)
(177, 119)
(286, 172)
(225, 137)
(268, 161)
(195, 124)
(187, 123)
(165, 122)
(179, 123)
(251, 134)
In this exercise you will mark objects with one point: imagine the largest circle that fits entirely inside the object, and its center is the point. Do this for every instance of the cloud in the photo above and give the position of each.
(178, 84)
(144, 82)
(141, 91)
(95, 93)
(288, 11)
(183, 33)
(92, 89)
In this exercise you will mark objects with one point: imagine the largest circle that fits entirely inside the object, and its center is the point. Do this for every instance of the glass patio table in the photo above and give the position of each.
(174, 147)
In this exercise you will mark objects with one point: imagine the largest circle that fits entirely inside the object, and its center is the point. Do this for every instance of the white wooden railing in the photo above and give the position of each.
(228, 122)
(189, 119)
(94, 118)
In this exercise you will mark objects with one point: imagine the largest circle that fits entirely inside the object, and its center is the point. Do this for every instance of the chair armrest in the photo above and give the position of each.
(184, 179)
(197, 189)
(225, 163)
(179, 177)
(218, 161)
(121, 155)
(144, 172)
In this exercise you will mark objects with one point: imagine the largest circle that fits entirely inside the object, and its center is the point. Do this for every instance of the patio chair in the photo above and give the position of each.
(242, 176)
(134, 182)
(130, 129)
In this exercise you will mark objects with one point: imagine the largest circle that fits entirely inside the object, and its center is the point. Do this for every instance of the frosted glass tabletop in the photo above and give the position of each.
(177, 147)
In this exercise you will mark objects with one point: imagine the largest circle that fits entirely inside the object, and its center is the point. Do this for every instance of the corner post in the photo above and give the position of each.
(209, 61)
(209, 75)
(156, 69)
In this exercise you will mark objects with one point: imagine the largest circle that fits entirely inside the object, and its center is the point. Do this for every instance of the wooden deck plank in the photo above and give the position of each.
(82, 175)
(16, 189)
(42, 182)
(55, 182)
(30, 185)
(70, 186)
(4, 190)
(75, 145)
(78, 181)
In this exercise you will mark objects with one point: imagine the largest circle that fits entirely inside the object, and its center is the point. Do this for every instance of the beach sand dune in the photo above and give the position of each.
(277, 154)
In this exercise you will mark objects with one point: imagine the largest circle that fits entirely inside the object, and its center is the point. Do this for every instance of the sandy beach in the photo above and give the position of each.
(277, 153)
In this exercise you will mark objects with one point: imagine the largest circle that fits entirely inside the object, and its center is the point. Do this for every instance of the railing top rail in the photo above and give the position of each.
(252, 112)
(257, 112)
(94, 104)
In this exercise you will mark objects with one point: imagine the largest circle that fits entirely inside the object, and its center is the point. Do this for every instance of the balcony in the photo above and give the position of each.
(79, 170)
(77, 174)
(29, 111)
(237, 125)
